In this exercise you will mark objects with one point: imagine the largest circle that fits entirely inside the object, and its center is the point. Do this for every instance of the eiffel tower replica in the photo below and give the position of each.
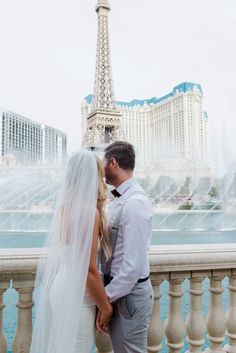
(104, 121)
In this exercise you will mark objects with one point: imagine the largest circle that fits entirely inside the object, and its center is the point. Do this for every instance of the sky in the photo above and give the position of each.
(48, 51)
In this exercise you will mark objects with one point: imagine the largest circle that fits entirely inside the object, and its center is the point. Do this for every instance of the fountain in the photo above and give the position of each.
(194, 209)
(27, 201)
(186, 211)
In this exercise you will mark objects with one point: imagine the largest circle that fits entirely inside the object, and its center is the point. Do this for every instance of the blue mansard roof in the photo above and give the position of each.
(183, 87)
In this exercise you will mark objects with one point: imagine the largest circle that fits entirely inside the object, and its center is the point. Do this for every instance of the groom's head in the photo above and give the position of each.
(119, 162)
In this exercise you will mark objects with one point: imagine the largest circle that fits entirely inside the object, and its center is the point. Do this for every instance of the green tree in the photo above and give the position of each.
(162, 187)
(213, 193)
(186, 187)
(203, 185)
(145, 183)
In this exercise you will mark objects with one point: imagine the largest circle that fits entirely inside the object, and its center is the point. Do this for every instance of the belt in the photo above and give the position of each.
(139, 281)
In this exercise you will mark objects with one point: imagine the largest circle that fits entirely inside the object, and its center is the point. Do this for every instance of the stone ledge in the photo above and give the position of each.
(163, 258)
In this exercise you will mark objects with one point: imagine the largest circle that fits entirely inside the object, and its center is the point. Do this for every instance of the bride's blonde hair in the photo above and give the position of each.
(101, 201)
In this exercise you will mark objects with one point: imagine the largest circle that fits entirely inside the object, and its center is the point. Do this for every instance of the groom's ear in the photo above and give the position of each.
(114, 163)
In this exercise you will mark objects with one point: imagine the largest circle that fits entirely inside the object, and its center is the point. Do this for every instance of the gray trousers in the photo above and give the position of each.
(130, 321)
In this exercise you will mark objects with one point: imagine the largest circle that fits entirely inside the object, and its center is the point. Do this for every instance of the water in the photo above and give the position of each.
(22, 239)
(28, 221)
(167, 230)
(28, 196)
(160, 237)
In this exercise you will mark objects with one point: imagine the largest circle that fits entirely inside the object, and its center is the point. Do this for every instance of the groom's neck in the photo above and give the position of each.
(124, 176)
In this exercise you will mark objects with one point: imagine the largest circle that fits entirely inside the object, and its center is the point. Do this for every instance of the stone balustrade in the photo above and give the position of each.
(171, 265)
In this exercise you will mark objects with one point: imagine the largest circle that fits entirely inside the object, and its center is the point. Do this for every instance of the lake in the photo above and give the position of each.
(178, 228)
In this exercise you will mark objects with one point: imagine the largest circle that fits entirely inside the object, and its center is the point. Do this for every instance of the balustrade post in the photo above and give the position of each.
(103, 344)
(195, 322)
(3, 341)
(156, 329)
(175, 327)
(23, 335)
(216, 322)
(231, 316)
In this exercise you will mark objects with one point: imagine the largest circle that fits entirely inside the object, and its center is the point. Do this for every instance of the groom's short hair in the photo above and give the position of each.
(123, 152)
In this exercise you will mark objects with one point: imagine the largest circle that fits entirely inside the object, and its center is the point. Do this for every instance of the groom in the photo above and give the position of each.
(128, 286)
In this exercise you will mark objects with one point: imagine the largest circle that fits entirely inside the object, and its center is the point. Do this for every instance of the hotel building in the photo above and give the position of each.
(169, 133)
(24, 141)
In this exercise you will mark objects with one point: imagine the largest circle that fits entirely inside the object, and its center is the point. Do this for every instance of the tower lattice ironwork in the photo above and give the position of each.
(103, 123)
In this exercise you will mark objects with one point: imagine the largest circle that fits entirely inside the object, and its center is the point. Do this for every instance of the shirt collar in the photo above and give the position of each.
(126, 185)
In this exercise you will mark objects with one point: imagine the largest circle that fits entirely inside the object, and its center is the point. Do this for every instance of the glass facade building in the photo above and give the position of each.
(26, 142)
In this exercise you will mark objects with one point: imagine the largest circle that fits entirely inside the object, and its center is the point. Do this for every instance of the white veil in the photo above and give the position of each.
(62, 273)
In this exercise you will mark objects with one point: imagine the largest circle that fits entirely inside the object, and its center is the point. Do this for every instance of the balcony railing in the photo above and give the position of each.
(173, 264)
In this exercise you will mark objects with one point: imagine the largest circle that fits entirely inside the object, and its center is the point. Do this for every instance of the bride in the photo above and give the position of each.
(70, 286)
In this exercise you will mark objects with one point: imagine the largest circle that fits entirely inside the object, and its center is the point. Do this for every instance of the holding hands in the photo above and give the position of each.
(102, 320)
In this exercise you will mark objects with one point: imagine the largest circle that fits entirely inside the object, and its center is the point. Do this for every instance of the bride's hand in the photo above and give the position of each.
(102, 330)
(102, 321)
(105, 316)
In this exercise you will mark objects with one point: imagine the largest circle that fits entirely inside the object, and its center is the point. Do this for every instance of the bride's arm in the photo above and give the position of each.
(95, 285)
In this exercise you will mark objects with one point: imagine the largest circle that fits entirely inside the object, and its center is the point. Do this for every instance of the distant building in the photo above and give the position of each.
(170, 134)
(103, 122)
(165, 130)
(54, 145)
(30, 142)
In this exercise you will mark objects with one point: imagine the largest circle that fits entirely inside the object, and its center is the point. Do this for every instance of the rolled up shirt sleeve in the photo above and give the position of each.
(135, 225)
